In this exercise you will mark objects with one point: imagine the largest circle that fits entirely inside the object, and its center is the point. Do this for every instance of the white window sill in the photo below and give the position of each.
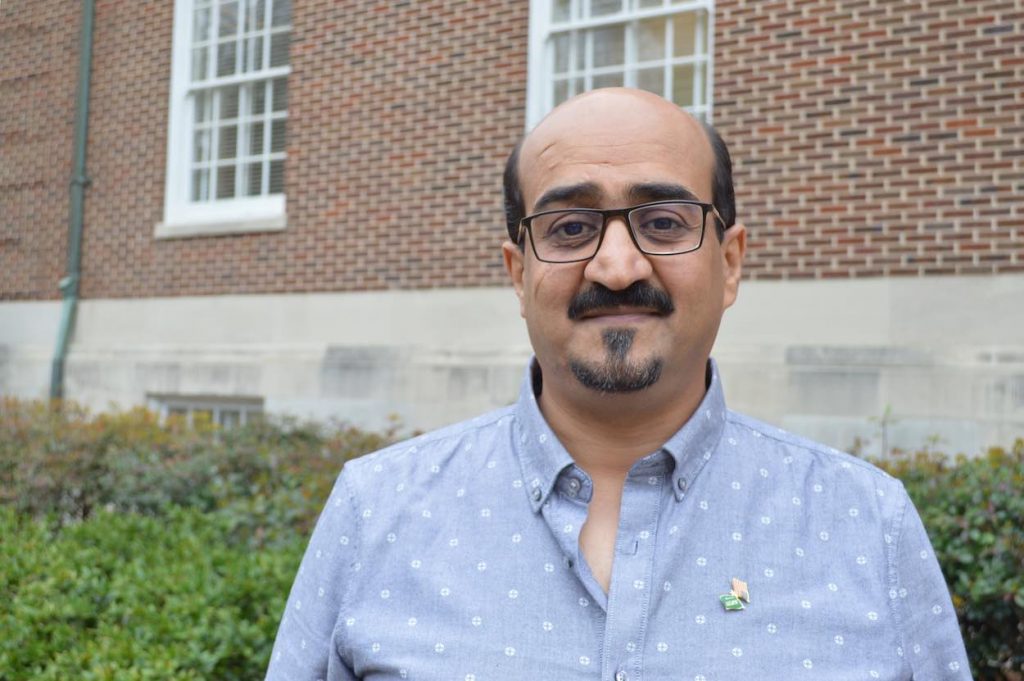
(219, 227)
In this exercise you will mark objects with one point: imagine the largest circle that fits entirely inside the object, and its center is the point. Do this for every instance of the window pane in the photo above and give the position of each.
(609, 45)
(256, 139)
(200, 185)
(203, 107)
(201, 25)
(255, 183)
(229, 103)
(225, 182)
(561, 91)
(259, 98)
(652, 80)
(602, 7)
(685, 34)
(650, 38)
(644, 4)
(226, 59)
(201, 146)
(230, 133)
(228, 19)
(255, 15)
(608, 80)
(252, 54)
(229, 418)
(277, 177)
(682, 85)
(277, 134)
(282, 15)
(227, 145)
(279, 49)
(562, 45)
(280, 94)
(199, 63)
(561, 10)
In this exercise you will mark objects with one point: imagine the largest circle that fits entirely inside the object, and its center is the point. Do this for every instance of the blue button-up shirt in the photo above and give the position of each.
(456, 556)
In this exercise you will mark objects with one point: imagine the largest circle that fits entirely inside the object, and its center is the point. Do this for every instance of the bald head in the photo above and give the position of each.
(618, 125)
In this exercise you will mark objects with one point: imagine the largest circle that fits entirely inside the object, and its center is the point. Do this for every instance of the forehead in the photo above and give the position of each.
(616, 140)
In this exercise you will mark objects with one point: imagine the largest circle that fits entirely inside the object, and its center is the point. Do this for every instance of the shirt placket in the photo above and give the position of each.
(631, 591)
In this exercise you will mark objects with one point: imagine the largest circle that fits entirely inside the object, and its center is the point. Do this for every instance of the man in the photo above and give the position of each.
(618, 522)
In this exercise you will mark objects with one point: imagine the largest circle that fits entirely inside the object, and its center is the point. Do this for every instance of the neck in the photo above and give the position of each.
(607, 433)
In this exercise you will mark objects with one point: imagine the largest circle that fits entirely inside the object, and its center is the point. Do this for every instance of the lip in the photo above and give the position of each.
(621, 316)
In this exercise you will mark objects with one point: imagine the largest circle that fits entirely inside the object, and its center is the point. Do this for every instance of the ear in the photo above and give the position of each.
(514, 266)
(734, 246)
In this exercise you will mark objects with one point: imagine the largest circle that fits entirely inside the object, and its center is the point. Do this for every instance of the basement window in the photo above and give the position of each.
(226, 412)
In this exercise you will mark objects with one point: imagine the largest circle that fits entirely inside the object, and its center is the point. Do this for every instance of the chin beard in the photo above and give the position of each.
(617, 374)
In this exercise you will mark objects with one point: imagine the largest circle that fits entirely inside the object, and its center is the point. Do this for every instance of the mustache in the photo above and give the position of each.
(637, 294)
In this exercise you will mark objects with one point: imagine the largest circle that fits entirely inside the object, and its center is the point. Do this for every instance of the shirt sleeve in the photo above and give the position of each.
(932, 644)
(303, 649)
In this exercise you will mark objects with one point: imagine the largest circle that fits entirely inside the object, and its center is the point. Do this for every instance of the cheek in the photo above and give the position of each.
(547, 286)
(697, 287)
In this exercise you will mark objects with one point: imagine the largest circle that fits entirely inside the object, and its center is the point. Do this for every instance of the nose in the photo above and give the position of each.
(618, 262)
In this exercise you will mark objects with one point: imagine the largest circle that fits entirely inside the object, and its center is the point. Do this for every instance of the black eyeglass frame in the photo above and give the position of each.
(526, 224)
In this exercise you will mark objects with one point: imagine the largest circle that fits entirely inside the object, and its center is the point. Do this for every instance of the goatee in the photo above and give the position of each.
(617, 374)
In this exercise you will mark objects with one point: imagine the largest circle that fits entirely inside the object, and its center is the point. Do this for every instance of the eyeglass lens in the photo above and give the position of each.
(661, 229)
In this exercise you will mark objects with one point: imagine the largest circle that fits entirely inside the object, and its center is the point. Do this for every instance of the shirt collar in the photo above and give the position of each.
(543, 458)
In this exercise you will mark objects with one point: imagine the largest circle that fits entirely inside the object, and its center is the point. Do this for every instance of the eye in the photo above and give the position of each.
(663, 223)
(668, 223)
(572, 228)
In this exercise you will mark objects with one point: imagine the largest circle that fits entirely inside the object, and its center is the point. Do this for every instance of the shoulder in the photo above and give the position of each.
(424, 456)
(845, 474)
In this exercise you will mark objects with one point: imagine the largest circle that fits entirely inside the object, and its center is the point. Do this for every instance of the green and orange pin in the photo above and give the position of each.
(739, 593)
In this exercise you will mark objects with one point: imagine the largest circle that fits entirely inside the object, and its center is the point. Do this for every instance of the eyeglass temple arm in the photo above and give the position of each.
(718, 216)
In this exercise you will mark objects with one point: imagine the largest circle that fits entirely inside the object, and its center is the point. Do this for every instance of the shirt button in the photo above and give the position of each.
(621, 676)
(681, 484)
(536, 494)
(574, 487)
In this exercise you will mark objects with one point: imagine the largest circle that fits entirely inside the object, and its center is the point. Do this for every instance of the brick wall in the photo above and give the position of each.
(38, 70)
(875, 137)
(870, 138)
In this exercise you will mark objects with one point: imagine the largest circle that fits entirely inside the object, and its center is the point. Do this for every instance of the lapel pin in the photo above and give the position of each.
(740, 590)
(730, 601)
(739, 593)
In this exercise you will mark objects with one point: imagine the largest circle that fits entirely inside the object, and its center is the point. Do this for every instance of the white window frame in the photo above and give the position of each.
(539, 97)
(183, 218)
(248, 408)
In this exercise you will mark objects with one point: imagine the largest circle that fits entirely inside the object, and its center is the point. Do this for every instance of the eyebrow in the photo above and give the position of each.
(660, 191)
(586, 194)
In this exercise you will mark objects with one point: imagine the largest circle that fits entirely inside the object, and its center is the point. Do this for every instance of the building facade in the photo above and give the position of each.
(295, 205)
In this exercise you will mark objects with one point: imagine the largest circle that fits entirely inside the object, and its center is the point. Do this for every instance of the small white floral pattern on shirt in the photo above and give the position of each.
(456, 556)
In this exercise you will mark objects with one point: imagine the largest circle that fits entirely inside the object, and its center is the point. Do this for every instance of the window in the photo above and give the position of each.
(659, 45)
(228, 117)
(225, 412)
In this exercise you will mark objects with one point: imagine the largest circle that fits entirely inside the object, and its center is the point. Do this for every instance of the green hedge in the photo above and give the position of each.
(135, 550)
(974, 512)
(269, 477)
(127, 596)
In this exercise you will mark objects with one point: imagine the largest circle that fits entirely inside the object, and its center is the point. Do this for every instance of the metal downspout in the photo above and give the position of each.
(79, 181)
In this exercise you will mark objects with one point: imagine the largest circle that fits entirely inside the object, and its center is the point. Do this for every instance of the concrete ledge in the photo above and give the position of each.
(937, 359)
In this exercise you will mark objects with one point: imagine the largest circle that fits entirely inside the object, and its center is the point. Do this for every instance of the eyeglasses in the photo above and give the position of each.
(658, 228)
